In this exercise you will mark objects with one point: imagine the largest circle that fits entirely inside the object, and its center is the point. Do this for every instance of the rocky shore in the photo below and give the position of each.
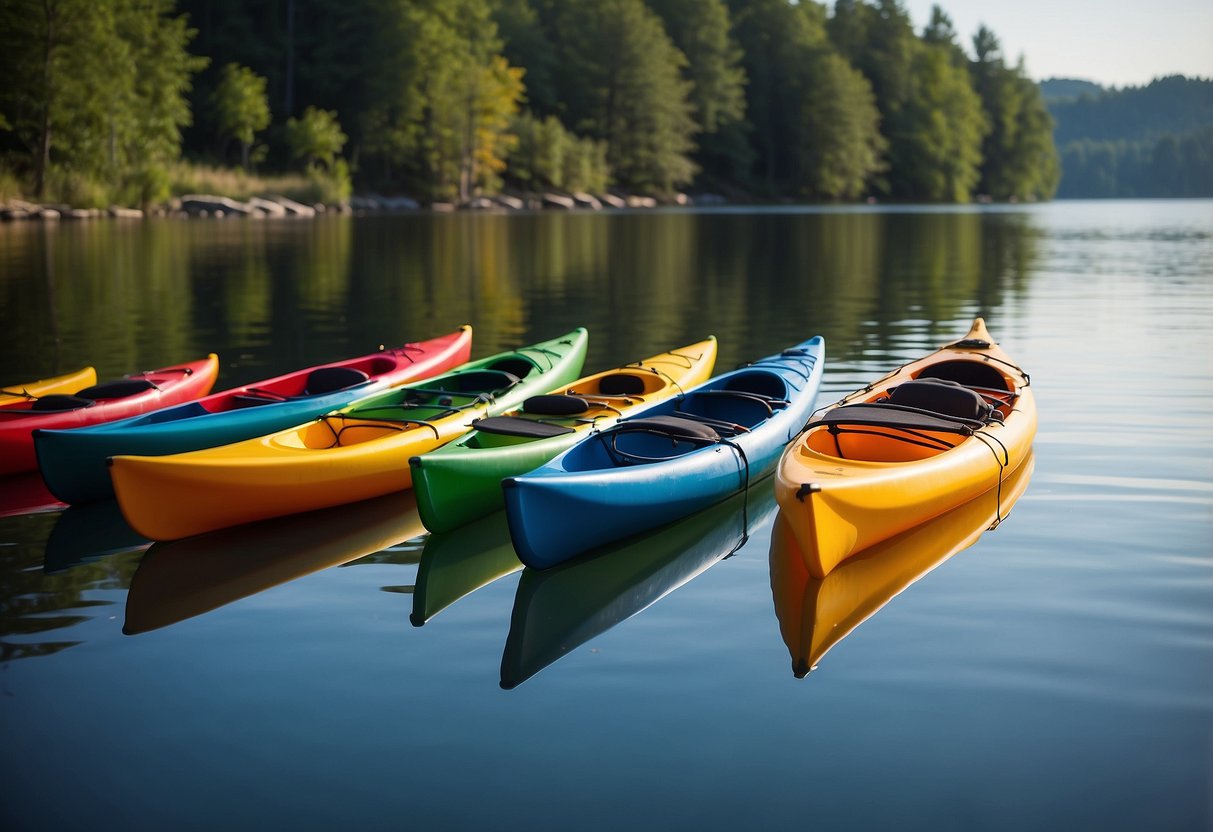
(276, 206)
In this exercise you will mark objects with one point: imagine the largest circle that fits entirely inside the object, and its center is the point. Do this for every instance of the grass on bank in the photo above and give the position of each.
(157, 188)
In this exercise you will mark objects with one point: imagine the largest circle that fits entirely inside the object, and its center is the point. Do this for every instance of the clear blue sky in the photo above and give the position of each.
(1114, 43)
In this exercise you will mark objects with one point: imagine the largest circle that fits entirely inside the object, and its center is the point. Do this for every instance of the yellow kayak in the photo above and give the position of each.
(815, 614)
(352, 454)
(923, 439)
(65, 384)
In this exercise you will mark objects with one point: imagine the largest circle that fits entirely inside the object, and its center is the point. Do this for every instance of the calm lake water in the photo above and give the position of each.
(344, 670)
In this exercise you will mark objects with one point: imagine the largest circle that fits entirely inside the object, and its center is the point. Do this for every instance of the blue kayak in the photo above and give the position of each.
(664, 462)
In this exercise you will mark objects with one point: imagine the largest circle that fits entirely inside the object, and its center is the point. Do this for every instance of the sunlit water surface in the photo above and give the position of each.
(1057, 674)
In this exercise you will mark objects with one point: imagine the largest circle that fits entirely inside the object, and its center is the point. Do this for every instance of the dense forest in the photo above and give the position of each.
(446, 99)
(1149, 141)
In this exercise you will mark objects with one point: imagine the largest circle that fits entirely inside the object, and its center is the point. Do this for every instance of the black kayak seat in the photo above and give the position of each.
(515, 366)
(331, 379)
(241, 400)
(968, 373)
(675, 427)
(767, 404)
(518, 426)
(477, 381)
(60, 401)
(621, 384)
(758, 383)
(894, 416)
(940, 396)
(555, 404)
(119, 389)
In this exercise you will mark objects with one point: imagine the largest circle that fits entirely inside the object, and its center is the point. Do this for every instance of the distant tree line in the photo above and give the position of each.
(449, 98)
(1149, 141)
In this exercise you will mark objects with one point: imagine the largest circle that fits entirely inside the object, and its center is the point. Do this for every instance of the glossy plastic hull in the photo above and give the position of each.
(356, 453)
(461, 481)
(173, 385)
(582, 499)
(73, 463)
(815, 614)
(559, 609)
(838, 505)
(67, 383)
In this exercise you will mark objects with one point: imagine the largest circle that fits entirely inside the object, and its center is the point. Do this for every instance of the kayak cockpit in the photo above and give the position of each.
(696, 420)
(405, 409)
(916, 419)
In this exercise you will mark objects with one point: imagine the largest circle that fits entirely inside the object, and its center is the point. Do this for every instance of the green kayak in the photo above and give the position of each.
(461, 481)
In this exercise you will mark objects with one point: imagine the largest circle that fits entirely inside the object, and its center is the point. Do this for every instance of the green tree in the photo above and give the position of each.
(701, 29)
(471, 94)
(94, 90)
(526, 43)
(935, 137)
(316, 138)
(778, 43)
(157, 98)
(816, 128)
(241, 107)
(624, 84)
(878, 39)
(843, 148)
(53, 56)
(1019, 159)
(549, 156)
(940, 31)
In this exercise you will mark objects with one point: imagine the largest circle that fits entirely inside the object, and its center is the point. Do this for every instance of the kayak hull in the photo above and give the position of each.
(355, 453)
(73, 463)
(838, 502)
(815, 614)
(583, 499)
(168, 386)
(66, 383)
(461, 481)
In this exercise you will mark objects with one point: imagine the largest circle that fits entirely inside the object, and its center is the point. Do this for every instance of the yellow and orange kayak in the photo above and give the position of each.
(815, 614)
(910, 446)
(67, 383)
(355, 453)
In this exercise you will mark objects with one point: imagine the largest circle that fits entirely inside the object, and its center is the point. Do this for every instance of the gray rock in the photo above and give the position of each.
(513, 203)
(584, 200)
(291, 207)
(218, 206)
(267, 207)
(559, 202)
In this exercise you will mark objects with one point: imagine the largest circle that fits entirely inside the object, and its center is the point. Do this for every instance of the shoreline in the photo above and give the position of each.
(212, 206)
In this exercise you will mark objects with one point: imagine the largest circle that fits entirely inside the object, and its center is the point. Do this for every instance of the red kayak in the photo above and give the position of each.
(104, 402)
